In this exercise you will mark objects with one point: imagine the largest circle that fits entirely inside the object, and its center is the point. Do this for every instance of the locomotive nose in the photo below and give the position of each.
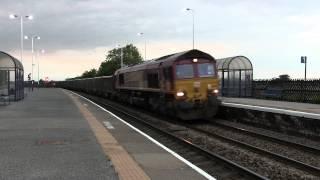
(196, 86)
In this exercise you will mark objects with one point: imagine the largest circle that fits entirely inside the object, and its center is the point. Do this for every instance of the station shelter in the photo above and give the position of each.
(11, 77)
(235, 75)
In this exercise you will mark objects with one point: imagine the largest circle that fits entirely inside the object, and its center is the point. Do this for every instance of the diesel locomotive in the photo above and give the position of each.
(183, 84)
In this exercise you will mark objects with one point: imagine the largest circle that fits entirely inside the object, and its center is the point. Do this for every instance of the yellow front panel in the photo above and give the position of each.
(196, 88)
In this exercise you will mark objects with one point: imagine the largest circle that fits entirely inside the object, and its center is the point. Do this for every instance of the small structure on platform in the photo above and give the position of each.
(235, 75)
(11, 77)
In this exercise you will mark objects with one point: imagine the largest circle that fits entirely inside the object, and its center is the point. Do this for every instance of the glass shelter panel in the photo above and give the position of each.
(11, 77)
(4, 79)
(235, 75)
(12, 84)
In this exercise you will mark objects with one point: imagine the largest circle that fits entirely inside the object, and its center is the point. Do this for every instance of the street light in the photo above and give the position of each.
(304, 61)
(32, 50)
(121, 55)
(42, 51)
(145, 45)
(15, 16)
(192, 11)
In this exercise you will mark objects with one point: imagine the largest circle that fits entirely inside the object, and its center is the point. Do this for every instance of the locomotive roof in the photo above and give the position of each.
(167, 60)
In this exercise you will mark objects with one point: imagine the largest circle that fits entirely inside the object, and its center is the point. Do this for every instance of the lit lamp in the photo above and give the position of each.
(28, 17)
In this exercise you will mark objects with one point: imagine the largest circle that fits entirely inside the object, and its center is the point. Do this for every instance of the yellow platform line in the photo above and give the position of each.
(125, 166)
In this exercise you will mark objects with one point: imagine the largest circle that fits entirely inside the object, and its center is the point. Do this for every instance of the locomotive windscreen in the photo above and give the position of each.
(206, 70)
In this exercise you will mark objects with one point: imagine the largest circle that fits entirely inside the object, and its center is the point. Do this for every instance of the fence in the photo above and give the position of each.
(288, 90)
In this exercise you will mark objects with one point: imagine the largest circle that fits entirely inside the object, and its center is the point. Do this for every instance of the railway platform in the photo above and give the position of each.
(302, 119)
(55, 134)
(306, 110)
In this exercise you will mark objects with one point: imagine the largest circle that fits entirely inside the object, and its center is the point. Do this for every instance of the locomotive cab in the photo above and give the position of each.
(196, 87)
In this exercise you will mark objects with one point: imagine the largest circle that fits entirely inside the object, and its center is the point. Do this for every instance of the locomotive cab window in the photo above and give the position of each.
(206, 70)
(167, 73)
(184, 71)
(121, 79)
(153, 81)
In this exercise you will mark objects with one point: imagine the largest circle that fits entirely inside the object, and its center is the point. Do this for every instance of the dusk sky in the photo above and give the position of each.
(76, 34)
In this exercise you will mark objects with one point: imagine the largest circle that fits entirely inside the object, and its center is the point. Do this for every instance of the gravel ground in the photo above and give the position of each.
(295, 139)
(287, 151)
(262, 165)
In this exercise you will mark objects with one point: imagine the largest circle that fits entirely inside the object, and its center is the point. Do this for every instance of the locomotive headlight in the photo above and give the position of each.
(195, 60)
(180, 93)
(216, 91)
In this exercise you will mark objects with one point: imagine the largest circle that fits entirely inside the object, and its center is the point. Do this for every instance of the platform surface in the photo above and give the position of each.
(46, 136)
(281, 105)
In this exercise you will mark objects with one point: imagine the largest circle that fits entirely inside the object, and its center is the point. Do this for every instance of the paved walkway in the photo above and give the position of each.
(45, 136)
(54, 134)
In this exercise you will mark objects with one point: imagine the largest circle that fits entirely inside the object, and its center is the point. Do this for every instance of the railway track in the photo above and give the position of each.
(212, 163)
(278, 157)
(296, 145)
(206, 161)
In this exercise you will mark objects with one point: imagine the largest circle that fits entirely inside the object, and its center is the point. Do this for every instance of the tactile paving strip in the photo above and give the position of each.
(126, 167)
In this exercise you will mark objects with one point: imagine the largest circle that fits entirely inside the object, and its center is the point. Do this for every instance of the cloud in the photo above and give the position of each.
(269, 32)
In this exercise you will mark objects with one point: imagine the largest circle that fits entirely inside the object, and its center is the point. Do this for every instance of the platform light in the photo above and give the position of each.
(195, 60)
(216, 91)
(141, 34)
(13, 16)
(121, 55)
(192, 12)
(30, 17)
(42, 51)
(34, 37)
(180, 93)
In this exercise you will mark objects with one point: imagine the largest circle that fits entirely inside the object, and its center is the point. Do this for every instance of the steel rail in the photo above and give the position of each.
(270, 138)
(181, 141)
(297, 164)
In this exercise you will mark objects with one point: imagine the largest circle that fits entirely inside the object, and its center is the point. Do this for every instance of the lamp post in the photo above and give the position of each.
(304, 61)
(15, 16)
(42, 52)
(145, 45)
(121, 55)
(32, 50)
(192, 12)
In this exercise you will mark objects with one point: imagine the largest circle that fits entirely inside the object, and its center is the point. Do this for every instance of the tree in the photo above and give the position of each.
(284, 77)
(89, 74)
(131, 56)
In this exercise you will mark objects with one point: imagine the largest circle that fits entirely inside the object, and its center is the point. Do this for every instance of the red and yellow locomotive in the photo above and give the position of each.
(184, 84)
